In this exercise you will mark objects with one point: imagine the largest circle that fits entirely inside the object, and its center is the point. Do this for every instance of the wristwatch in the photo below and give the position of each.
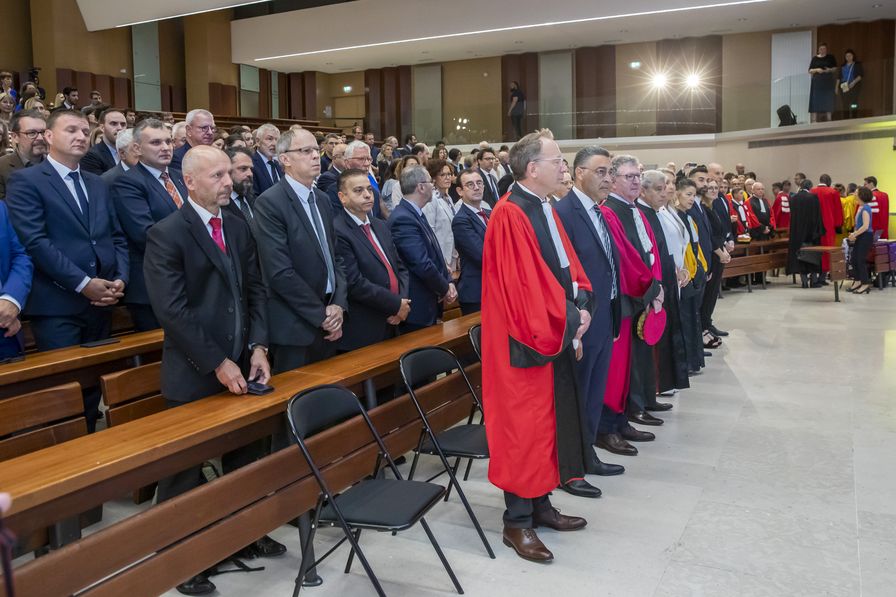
(263, 348)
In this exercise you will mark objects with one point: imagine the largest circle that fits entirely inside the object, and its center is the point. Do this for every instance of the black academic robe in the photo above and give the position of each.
(806, 229)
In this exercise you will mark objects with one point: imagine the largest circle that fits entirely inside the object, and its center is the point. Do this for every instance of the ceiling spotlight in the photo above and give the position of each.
(693, 81)
(659, 81)
(634, 65)
(346, 88)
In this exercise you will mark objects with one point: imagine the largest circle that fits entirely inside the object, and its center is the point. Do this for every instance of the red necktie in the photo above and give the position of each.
(393, 281)
(215, 223)
(484, 216)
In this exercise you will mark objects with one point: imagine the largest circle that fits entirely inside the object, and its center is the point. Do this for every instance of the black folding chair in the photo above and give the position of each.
(475, 335)
(419, 367)
(374, 503)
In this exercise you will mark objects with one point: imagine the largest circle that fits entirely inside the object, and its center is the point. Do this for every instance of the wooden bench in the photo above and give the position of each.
(121, 324)
(151, 552)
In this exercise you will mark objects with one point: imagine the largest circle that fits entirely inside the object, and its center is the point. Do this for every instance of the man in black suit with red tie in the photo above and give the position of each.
(204, 282)
(377, 280)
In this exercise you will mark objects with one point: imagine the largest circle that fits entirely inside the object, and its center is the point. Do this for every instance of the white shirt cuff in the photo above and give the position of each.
(7, 297)
(83, 283)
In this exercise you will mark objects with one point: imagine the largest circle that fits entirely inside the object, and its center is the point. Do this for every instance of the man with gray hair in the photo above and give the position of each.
(266, 170)
(179, 134)
(357, 156)
(199, 129)
(536, 306)
(127, 153)
(430, 287)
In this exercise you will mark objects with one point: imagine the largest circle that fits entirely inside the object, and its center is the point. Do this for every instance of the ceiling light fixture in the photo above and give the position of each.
(659, 81)
(195, 12)
(516, 28)
(693, 81)
(634, 64)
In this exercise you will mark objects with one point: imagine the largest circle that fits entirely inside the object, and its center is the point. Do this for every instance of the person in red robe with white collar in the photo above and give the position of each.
(880, 208)
(536, 303)
(831, 215)
(742, 217)
(781, 207)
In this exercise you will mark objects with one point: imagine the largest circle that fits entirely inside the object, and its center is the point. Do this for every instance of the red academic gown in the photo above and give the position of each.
(880, 213)
(742, 226)
(635, 279)
(523, 301)
(831, 217)
(781, 210)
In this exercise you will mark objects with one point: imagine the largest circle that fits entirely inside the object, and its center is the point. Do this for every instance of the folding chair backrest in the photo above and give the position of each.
(320, 408)
(476, 339)
(423, 365)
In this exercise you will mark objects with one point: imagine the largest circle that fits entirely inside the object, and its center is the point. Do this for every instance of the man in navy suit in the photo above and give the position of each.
(328, 180)
(199, 129)
(241, 175)
(376, 278)
(487, 160)
(430, 286)
(468, 227)
(590, 237)
(103, 156)
(371, 143)
(16, 270)
(408, 148)
(266, 170)
(326, 158)
(145, 194)
(124, 143)
(67, 221)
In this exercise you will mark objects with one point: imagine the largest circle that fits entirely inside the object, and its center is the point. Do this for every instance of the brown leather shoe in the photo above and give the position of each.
(527, 545)
(613, 442)
(554, 520)
(634, 435)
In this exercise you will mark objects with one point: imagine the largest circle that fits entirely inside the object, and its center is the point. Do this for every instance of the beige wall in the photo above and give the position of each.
(16, 55)
(471, 89)
(347, 108)
(207, 52)
(171, 53)
(635, 103)
(746, 80)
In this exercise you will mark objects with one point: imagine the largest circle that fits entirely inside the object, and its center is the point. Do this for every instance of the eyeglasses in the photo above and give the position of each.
(305, 151)
(601, 172)
(32, 134)
(555, 160)
(630, 177)
(474, 184)
(209, 128)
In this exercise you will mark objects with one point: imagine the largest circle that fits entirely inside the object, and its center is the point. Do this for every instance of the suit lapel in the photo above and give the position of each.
(203, 238)
(57, 183)
(359, 234)
(93, 207)
(295, 204)
(156, 188)
(233, 241)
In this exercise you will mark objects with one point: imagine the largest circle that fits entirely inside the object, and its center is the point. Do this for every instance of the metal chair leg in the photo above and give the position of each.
(351, 553)
(454, 474)
(445, 563)
(469, 466)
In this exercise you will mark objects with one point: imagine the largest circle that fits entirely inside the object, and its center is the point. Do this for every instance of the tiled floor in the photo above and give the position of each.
(774, 475)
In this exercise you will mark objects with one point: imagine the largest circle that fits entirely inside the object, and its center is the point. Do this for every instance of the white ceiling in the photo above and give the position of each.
(326, 29)
(106, 14)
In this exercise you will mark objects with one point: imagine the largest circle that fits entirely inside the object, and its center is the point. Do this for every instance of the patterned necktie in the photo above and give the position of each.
(608, 247)
(275, 173)
(172, 190)
(215, 223)
(393, 281)
(484, 216)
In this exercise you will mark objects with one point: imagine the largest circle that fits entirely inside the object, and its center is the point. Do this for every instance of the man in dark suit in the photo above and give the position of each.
(124, 143)
(356, 155)
(104, 156)
(296, 246)
(430, 286)
(468, 227)
(266, 170)
(487, 160)
(241, 175)
(67, 222)
(210, 346)
(199, 130)
(377, 280)
(326, 158)
(144, 195)
(328, 181)
(590, 236)
(27, 130)
(408, 148)
(16, 271)
(371, 143)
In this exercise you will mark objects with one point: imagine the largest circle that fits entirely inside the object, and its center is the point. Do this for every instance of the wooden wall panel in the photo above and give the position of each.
(681, 111)
(389, 103)
(405, 102)
(373, 102)
(524, 69)
(223, 99)
(65, 77)
(178, 99)
(595, 92)
(103, 84)
(166, 93)
(84, 83)
(873, 44)
(121, 92)
(264, 93)
(296, 95)
(309, 89)
(283, 88)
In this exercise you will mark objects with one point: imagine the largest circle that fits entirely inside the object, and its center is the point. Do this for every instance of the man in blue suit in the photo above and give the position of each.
(68, 224)
(430, 286)
(587, 230)
(200, 130)
(15, 284)
(468, 226)
(266, 170)
(145, 194)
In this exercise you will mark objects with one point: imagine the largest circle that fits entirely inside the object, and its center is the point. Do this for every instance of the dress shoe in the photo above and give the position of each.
(659, 406)
(581, 488)
(198, 585)
(706, 353)
(717, 332)
(263, 548)
(603, 469)
(552, 519)
(613, 442)
(527, 545)
(631, 434)
(645, 418)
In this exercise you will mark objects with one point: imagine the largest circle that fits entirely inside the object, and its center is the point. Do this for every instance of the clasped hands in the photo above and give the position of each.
(103, 293)
(402, 314)
(332, 323)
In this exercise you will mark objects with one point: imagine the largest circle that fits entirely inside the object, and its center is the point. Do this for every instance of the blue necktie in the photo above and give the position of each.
(79, 191)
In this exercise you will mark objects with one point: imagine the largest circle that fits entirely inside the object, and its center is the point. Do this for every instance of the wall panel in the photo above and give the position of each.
(524, 69)
(471, 92)
(595, 92)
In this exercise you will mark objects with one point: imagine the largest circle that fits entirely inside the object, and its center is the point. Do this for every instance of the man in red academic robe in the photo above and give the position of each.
(831, 215)
(535, 309)
(742, 217)
(781, 210)
(880, 208)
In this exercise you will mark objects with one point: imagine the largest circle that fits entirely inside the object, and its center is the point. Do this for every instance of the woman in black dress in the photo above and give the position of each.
(850, 84)
(517, 108)
(823, 69)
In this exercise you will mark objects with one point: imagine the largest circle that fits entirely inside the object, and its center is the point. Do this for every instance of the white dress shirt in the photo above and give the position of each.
(303, 192)
(205, 215)
(366, 221)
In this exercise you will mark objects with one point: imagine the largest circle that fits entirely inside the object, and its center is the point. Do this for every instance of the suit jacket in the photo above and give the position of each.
(325, 162)
(469, 238)
(16, 268)
(178, 156)
(191, 295)
(140, 202)
(419, 250)
(8, 164)
(439, 213)
(110, 176)
(293, 264)
(235, 210)
(704, 228)
(488, 195)
(370, 301)
(65, 244)
(596, 263)
(98, 159)
(720, 208)
(261, 173)
(328, 182)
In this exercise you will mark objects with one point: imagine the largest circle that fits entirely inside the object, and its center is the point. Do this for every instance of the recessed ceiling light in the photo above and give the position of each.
(634, 64)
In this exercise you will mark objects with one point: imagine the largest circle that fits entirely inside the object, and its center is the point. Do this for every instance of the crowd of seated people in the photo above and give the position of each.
(259, 251)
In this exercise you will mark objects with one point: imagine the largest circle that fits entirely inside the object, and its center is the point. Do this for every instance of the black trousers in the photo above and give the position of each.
(611, 421)
(592, 372)
(711, 292)
(517, 121)
(467, 308)
(144, 317)
(518, 514)
(859, 257)
(52, 332)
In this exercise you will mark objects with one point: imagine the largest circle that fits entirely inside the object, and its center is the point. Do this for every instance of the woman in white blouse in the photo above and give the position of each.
(440, 211)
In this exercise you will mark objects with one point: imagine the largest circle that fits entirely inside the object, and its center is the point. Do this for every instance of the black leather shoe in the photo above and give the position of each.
(631, 434)
(198, 585)
(581, 488)
(659, 406)
(613, 442)
(645, 418)
(706, 353)
(717, 332)
(603, 469)
(263, 548)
